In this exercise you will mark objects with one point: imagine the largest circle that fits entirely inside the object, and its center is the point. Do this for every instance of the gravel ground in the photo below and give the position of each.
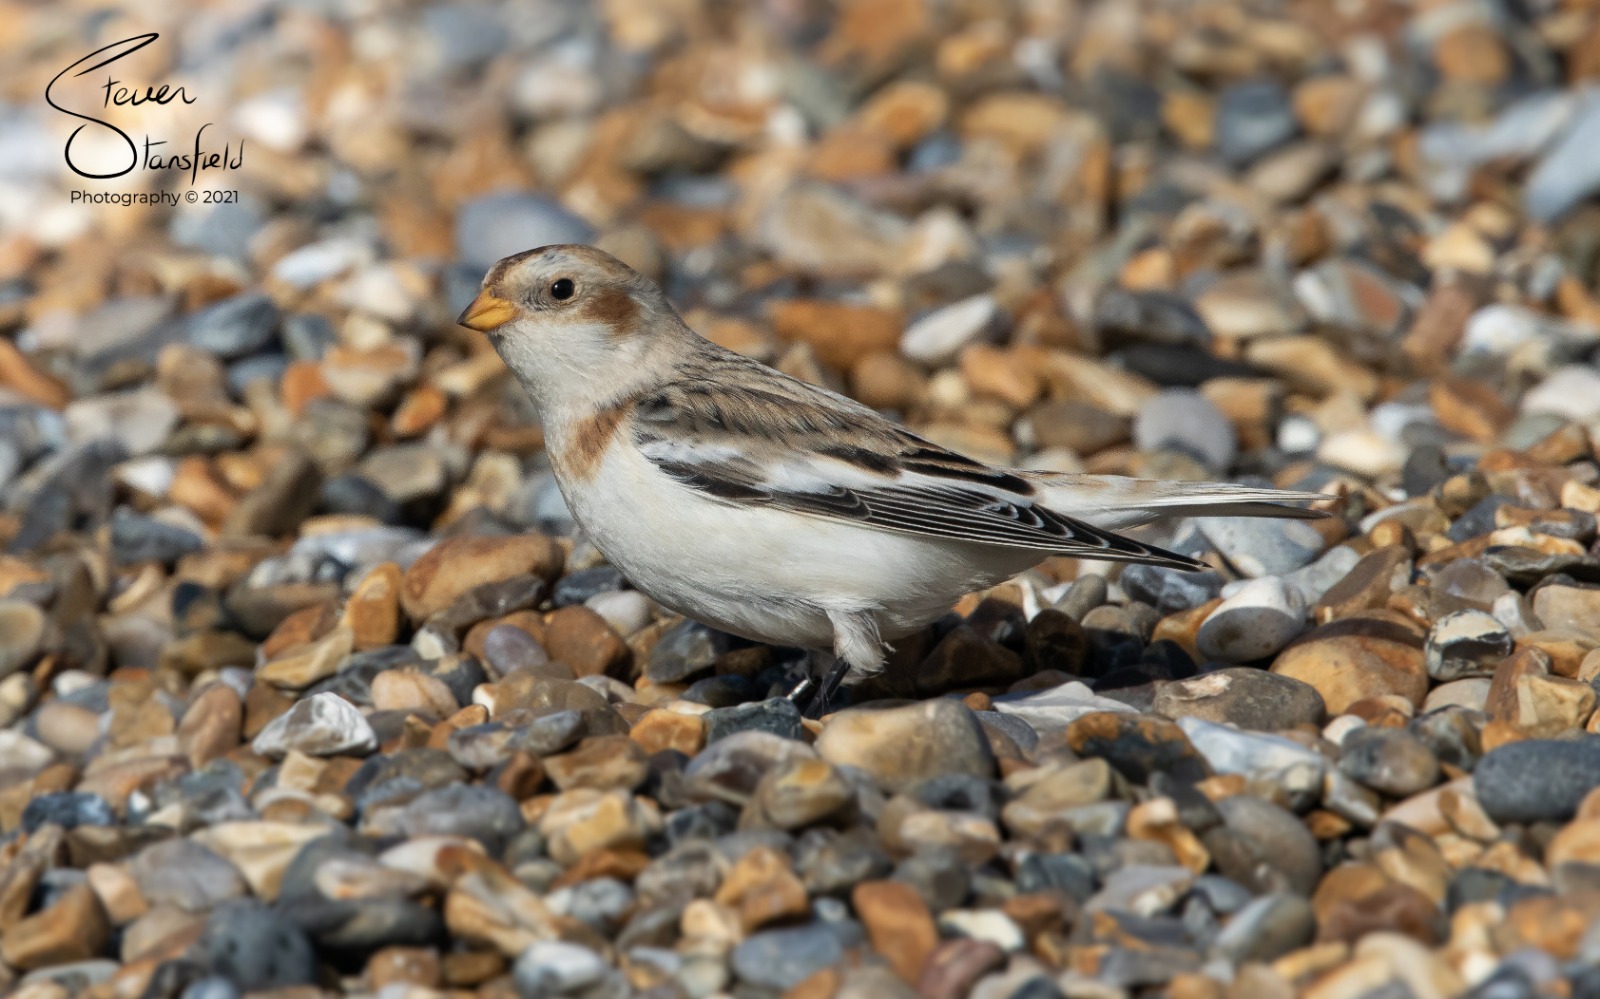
(309, 685)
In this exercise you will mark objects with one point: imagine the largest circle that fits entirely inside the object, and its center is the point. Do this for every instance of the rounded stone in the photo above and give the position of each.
(903, 746)
(551, 968)
(1185, 421)
(1255, 622)
(1537, 780)
(1264, 847)
(1389, 760)
(1253, 699)
(1346, 665)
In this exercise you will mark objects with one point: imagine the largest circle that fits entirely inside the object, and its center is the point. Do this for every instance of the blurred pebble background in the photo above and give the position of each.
(308, 680)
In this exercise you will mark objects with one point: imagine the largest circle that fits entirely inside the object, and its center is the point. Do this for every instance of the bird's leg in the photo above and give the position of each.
(822, 703)
(805, 684)
(857, 651)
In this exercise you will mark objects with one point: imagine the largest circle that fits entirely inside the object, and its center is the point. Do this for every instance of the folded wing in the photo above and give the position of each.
(794, 447)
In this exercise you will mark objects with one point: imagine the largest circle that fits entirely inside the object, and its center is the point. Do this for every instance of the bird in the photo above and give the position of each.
(775, 509)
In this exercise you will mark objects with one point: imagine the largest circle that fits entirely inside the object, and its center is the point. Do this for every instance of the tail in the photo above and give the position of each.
(1116, 503)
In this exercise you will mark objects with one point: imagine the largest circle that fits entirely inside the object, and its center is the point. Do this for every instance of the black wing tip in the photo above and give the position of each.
(1146, 555)
(1113, 547)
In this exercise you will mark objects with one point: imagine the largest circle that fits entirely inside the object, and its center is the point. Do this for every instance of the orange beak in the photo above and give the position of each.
(487, 312)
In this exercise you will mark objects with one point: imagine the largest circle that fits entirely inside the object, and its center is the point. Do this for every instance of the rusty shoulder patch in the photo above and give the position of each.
(586, 445)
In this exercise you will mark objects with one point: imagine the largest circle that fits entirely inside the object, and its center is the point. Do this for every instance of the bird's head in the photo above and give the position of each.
(569, 319)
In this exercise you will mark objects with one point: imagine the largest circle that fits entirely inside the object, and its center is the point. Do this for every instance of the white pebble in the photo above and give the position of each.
(1260, 618)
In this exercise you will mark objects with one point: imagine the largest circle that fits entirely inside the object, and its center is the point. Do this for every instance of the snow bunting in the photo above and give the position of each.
(771, 508)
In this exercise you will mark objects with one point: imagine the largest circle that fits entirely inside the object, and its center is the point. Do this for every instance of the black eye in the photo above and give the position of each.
(561, 289)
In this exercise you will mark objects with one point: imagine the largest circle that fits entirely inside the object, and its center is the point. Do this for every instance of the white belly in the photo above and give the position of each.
(767, 574)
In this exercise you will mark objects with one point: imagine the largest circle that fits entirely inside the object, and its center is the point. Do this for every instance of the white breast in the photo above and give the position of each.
(768, 574)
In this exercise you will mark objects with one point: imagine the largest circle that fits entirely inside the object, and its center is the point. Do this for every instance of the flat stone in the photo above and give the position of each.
(321, 725)
(1186, 421)
(781, 959)
(455, 566)
(1249, 698)
(1136, 746)
(898, 924)
(553, 968)
(904, 746)
(74, 928)
(776, 715)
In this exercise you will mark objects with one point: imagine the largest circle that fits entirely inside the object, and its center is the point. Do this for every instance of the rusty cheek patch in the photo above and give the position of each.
(587, 444)
(614, 308)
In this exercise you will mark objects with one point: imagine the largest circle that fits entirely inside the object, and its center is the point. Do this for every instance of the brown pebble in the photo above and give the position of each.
(898, 924)
(584, 641)
(75, 928)
(456, 565)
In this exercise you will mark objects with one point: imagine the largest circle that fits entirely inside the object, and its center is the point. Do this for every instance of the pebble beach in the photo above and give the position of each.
(311, 686)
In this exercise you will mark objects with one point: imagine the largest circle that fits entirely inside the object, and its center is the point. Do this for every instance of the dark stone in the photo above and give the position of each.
(136, 538)
(777, 715)
(962, 793)
(308, 336)
(400, 776)
(1169, 590)
(1424, 469)
(1055, 640)
(462, 674)
(724, 691)
(1253, 118)
(255, 947)
(782, 959)
(829, 862)
(940, 877)
(299, 878)
(235, 327)
(1471, 885)
(365, 924)
(1148, 316)
(483, 813)
(706, 821)
(67, 809)
(685, 649)
(1264, 847)
(1066, 872)
(1537, 780)
(579, 586)
(1253, 699)
(1480, 519)
(1178, 366)
(353, 494)
(1136, 746)
(965, 659)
